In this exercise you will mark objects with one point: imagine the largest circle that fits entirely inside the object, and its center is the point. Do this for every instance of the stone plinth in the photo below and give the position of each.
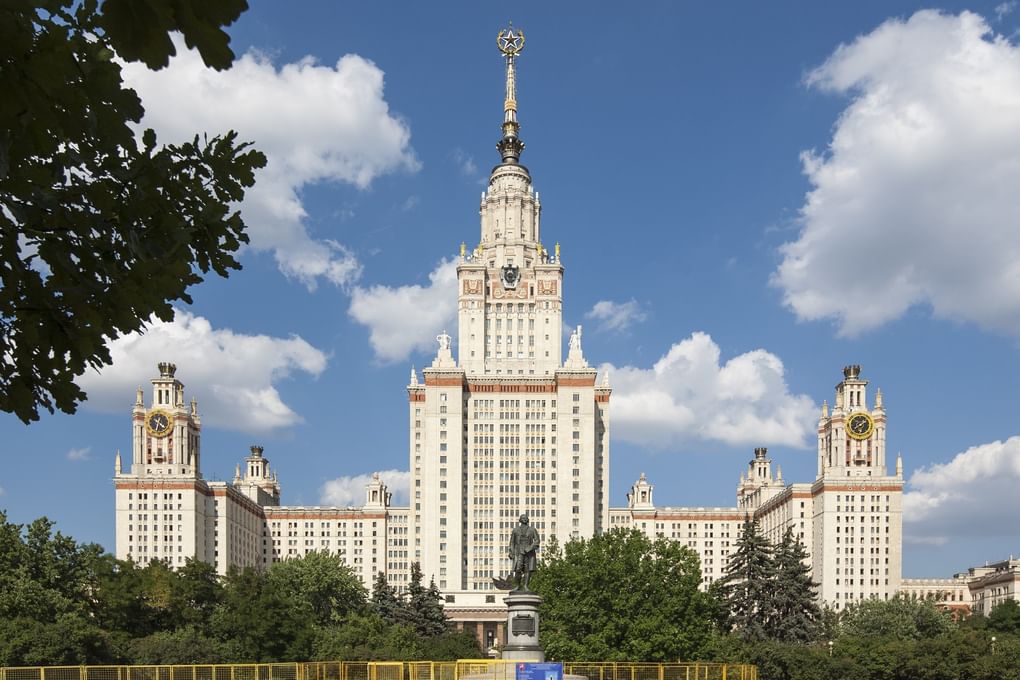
(521, 642)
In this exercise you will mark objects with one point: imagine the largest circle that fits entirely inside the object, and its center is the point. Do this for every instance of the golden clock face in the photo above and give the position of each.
(860, 426)
(158, 423)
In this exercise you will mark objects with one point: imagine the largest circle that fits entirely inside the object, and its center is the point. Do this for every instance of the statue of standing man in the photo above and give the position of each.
(523, 546)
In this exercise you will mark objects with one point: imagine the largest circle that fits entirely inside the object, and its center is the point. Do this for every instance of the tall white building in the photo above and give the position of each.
(507, 428)
(500, 426)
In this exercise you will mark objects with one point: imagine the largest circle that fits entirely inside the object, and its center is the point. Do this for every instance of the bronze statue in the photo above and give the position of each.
(523, 546)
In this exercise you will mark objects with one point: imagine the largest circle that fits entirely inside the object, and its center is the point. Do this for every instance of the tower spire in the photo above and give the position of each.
(510, 43)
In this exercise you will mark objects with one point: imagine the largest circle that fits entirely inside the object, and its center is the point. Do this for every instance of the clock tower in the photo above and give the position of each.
(856, 503)
(166, 433)
(851, 439)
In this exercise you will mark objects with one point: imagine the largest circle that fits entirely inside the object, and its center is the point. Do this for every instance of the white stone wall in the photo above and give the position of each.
(158, 519)
(711, 533)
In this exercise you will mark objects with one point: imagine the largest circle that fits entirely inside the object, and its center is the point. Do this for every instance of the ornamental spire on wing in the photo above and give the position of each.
(510, 42)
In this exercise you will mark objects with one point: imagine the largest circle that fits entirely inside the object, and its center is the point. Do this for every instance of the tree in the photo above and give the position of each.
(98, 232)
(187, 645)
(322, 583)
(258, 622)
(899, 618)
(47, 597)
(44, 575)
(385, 601)
(619, 596)
(796, 616)
(197, 591)
(69, 640)
(1005, 617)
(747, 584)
(424, 607)
(366, 637)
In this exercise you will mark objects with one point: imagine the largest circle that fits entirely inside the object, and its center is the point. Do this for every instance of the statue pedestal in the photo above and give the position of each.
(521, 642)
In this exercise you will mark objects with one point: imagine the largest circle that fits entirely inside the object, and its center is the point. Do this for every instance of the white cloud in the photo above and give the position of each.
(974, 494)
(2, 491)
(314, 122)
(347, 491)
(617, 316)
(405, 319)
(1003, 9)
(689, 396)
(84, 453)
(465, 162)
(915, 201)
(233, 375)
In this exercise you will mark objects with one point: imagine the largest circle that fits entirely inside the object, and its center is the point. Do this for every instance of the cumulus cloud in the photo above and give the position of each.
(315, 123)
(974, 494)
(346, 491)
(84, 453)
(405, 319)
(233, 375)
(689, 396)
(617, 316)
(915, 201)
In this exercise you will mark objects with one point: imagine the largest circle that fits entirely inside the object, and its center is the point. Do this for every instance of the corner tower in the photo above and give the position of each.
(851, 440)
(857, 505)
(164, 508)
(166, 435)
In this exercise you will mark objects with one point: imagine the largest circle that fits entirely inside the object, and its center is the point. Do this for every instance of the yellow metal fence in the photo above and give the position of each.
(384, 670)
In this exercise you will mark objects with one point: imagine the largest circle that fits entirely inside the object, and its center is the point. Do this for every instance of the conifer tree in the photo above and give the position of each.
(796, 616)
(385, 600)
(747, 585)
(424, 608)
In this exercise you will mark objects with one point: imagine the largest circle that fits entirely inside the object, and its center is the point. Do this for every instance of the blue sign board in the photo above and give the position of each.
(539, 671)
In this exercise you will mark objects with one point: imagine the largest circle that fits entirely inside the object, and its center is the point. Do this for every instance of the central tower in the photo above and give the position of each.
(508, 427)
(510, 287)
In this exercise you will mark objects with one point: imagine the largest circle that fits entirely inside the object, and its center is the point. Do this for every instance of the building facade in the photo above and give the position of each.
(849, 519)
(506, 427)
(166, 510)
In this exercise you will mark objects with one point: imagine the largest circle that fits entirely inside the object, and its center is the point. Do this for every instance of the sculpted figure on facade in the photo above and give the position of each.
(575, 339)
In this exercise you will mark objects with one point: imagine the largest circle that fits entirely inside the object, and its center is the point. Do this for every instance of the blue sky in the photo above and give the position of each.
(748, 198)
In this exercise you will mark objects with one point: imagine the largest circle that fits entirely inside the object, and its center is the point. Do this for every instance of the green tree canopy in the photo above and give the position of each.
(619, 596)
(900, 618)
(322, 584)
(1005, 617)
(258, 620)
(48, 590)
(101, 229)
